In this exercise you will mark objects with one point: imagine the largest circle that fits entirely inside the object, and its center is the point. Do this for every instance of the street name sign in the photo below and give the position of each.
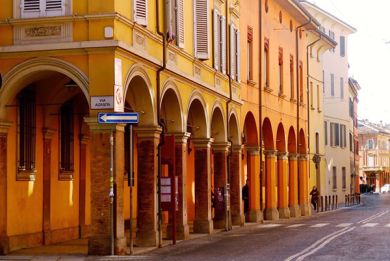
(102, 102)
(118, 117)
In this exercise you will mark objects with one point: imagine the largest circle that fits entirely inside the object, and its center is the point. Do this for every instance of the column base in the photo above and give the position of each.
(47, 237)
(238, 220)
(271, 214)
(203, 226)
(99, 245)
(148, 238)
(219, 223)
(255, 215)
(295, 211)
(305, 210)
(182, 232)
(284, 213)
(4, 245)
(120, 246)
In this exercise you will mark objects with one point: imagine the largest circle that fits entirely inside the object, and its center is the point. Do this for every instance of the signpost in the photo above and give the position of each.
(119, 118)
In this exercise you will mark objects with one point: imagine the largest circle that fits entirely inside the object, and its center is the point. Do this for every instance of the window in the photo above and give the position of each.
(300, 82)
(318, 98)
(337, 134)
(326, 132)
(266, 64)
(292, 77)
(140, 8)
(332, 35)
(332, 85)
(344, 173)
(201, 32)
(342, 46)
(370, 144)
(39, 8)
(219, 42)
(317, 143)
(334, 176)
(311, 96)
(66, 137)
(235, 53)
(174, 21)
(250, 54)
(343, 136)
(280, 71)
(341, 88)
(351, 109)
(26, 131)
(350, 142)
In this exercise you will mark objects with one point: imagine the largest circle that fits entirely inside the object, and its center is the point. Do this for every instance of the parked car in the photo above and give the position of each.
(385, 188)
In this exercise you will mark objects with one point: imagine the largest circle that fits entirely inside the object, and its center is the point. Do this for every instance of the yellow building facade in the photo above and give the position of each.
(220, 93)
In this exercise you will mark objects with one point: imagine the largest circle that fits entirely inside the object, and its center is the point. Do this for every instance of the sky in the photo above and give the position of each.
(368, 52)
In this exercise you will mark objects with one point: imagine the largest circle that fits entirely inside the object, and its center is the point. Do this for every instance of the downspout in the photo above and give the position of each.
(160, 123)
(261, 102)
(308, 90)
(297, 88)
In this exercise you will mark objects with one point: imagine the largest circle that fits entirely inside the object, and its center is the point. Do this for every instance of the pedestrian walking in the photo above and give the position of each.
(314, 197)
(245, 197)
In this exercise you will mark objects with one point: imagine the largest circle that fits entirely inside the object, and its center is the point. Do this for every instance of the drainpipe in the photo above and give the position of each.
(261, 102)
(160, 123)
(297, 88)
(308, 90)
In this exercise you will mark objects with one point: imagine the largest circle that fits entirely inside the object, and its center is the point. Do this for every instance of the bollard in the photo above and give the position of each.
(322, 204)
(346, 201)
(337, 200)
(332, 202)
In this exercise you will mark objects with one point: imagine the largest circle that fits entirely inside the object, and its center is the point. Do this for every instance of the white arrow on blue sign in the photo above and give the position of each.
(118, 117)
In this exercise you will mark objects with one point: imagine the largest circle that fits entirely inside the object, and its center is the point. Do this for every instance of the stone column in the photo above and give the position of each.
(148, 140)
(295, 211)
(238, 217)
(284, 211)
(47, 138)
(202, 222)
(4, 240)
(253, 161)
(220, 179)
(303, 186)
(83, 230)
(182, 228)
(100, 234)
(271, 211)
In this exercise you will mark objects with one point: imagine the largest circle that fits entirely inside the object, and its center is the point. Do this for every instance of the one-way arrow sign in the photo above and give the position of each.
(118, 117)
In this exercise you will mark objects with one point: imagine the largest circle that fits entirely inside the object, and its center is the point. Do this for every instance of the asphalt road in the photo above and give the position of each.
(357, 233)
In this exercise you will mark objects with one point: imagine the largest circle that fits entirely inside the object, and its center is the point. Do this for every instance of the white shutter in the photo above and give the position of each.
(55, 7)
(30, 8)
(232, 52)
(223, 36)
(170, 31)
(180, 22)
(238, 61)
(216, 28)
(201, 31)
(140, 11)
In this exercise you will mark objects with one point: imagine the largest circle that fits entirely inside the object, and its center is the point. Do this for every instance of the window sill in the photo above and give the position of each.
(312, 108)
(267, 89)
(26, 175)
(66, 175)
(281, 95)
(251, 83)
(293, 100)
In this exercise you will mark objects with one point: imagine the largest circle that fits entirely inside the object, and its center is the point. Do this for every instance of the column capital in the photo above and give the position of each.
(48, 133)
(303, 156)
(4, 127)
(292, 156)
(98, 127)
(237, 148)
(221, 146)
(253, 150)
(181, 137)
(202, 142)
(282, 155)
(83, 138)
(270, 153)
(148, 132)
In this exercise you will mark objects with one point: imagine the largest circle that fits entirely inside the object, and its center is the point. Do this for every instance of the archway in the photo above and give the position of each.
(293, 174)
(44, 101)
(303, 179)
(282, 173)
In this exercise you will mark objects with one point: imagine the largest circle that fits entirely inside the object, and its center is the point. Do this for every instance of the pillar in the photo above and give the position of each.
(47, 138)
(100, 233)
(203, 222)
(284, 211)
(83, 229)
(303, 186)
(295, 211)
(148, 140)
(4, 240)
(220, 180)
(271, 212)
(182, 228)
(253, 161)
(236, 205)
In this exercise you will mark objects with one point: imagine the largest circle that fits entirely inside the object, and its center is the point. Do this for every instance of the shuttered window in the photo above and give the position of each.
(280, 71)
(235, 54)
(219, 35)
(180, 22)
(201, 29)
(342, 88)
(39, 8)
(342, 46)
(332, 85)
(174, 22)
(140, 10)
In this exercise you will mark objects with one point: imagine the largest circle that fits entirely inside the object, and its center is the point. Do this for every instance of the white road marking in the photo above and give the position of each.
(388, 225)
(320, 225)
(372, 217)
(269, 225)
(369, 225)
(320, 243)
(295, 225)
(344, 225)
